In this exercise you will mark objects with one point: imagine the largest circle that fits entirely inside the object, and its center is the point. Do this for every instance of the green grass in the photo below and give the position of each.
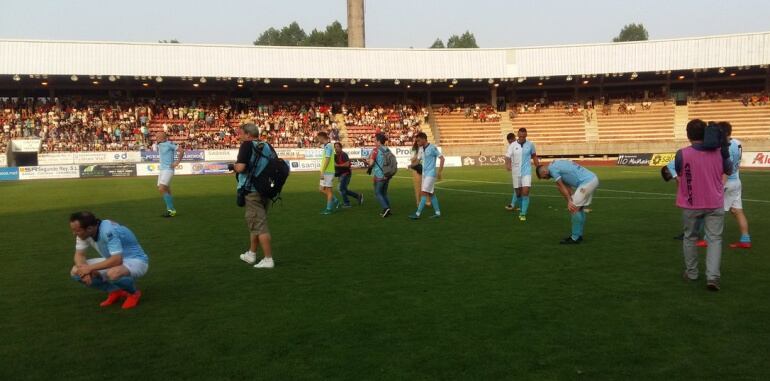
(474, 295)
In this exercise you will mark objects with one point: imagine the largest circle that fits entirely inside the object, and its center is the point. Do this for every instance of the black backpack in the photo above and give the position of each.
(269, 183)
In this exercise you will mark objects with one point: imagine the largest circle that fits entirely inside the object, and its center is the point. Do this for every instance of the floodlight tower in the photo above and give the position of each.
(356, 36)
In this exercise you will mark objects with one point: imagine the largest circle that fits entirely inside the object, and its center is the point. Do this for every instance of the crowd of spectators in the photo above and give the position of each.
(400, 122)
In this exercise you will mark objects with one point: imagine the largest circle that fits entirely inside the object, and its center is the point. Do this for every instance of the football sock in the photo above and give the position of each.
(423, 200)
(513, 200)
(169, 201)
(517, 203)
(125, 283)
(330, 204)
(434, 201)
(578, 220)
(745, 238)
(524, 205)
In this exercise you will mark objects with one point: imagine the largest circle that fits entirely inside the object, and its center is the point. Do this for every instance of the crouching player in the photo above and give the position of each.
(123, 259)
(568, 176)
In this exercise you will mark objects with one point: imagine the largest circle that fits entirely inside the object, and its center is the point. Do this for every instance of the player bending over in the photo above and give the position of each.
(570, 176)
(122, 262)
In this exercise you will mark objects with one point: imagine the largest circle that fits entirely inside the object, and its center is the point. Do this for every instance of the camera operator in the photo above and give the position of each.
(700, 194)
(249, 165)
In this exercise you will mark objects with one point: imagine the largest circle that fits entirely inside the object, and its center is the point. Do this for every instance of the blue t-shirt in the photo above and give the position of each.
(380, 161)
(736, 152)
(167, 153)
(113, 238)
(245, 156)
(527, 150)
(570, 173)
(429, 156)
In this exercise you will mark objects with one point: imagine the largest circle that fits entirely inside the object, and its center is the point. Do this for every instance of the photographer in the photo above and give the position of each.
(700, 195)
(250, 164)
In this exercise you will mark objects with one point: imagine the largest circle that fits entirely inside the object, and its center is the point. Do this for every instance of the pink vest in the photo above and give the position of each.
(700, 183)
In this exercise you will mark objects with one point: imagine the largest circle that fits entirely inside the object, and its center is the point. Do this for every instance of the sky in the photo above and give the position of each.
(389, 23)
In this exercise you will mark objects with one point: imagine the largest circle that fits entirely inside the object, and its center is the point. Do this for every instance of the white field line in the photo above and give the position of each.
(665, 195)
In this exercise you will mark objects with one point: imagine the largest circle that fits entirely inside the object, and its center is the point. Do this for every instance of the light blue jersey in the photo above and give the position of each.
(736, 153)
(113, 238)
(570, 173)
(527, 150)
(380, 160)
(429, 156)
(672, 168)
(167, 153)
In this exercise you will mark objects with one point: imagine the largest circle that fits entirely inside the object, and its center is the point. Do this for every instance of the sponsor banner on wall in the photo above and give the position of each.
(453, 161)
(221, 155)
(305, 165)
(297, 153)
(9, 173)
(56, 158)
(209, 168)
(25, 145)
(756, 159)
(635, 159)
(189, 155)
(108, 170)
(107, 157)
(358, 163)
(49, 172)
(483, 160)
(152, 169)
(661, 159)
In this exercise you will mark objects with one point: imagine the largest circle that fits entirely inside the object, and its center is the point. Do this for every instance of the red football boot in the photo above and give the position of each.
(113, 297)
(702, 243)
(132, 300)
(740, 245)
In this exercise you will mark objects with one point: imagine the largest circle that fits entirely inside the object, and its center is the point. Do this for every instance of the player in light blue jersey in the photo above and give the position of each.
(429, 153)
(122, 258)
(570, 176)
(734, 188)
(519, 154)
(170, 155)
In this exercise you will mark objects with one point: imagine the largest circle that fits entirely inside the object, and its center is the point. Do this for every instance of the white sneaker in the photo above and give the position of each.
(265, 263)
(249, 257)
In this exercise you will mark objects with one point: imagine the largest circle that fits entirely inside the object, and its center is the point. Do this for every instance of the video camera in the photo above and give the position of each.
(717, 136)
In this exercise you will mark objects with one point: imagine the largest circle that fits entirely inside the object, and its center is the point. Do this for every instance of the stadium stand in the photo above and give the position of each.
(749, 115)
(400, 122)
(467, 124)
(554, 124)
(621, 122)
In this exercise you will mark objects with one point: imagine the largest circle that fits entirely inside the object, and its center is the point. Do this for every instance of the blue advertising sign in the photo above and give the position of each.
(9, 173)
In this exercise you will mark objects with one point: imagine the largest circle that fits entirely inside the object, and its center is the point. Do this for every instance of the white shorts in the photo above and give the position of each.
(733, 190)
(327, 181)
(522, 181)
(585, 193)
(164, 177)
(136, 268)
(428, 184)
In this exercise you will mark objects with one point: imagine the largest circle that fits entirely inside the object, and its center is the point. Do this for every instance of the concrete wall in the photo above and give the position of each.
(356, 26)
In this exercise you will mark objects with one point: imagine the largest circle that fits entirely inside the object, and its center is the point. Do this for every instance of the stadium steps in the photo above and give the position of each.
(681, 117)
(749, 122)
(456, 129)
(551, 125)
(654, 124)
(340, 119)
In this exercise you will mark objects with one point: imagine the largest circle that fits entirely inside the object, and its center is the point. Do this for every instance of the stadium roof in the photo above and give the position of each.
(188, 60)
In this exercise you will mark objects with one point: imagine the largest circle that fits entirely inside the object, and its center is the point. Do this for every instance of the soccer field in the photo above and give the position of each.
(476, 294)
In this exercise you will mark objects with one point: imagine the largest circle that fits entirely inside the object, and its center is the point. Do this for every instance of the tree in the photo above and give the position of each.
(466, 41)
(438, 44)
(172, 41)
(632, 32)
(294, 35)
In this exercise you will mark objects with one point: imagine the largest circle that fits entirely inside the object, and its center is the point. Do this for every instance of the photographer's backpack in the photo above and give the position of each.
(270, 181)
